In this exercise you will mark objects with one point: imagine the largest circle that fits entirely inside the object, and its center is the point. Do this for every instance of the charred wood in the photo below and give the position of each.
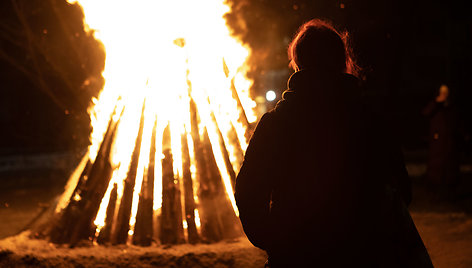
(224, 152)
(234, 141)
(227, 222)
(143, 227)
(242, 114)
(143, 230)
(76, 221)
(171, 227)
(192, 233)
(120, 235)
(210, 229)
(105, 233)
(59, 231)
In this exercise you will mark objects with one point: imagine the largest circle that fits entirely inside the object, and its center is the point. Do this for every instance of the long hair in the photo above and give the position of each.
(320, 47)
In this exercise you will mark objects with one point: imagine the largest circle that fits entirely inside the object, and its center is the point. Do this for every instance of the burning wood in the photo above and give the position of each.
(105, 233)
(144, 222)
(217, 219)
(162, 172)
(233, 139)
(190, 207)
(226, 218)
(235, 95)
(210, 228)
(76, 221)
(120, 235)
(171, 216)
(224, 152)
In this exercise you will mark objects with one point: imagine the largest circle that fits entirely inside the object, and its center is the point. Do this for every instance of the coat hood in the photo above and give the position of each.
(306, 87)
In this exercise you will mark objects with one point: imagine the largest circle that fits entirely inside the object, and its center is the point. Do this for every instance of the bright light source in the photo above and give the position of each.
(270, 95)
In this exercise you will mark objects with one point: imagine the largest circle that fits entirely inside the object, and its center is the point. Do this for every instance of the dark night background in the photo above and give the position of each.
(50, 68)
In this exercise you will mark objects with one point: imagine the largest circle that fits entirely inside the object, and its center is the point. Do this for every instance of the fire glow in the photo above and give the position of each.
(175, 102)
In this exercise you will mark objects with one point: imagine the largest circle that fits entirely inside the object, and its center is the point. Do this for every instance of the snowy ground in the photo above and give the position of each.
(20, 251)
(448, 238)
(444, 224)
(25, 195)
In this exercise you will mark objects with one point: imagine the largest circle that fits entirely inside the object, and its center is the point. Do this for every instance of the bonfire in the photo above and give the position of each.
(170, 129)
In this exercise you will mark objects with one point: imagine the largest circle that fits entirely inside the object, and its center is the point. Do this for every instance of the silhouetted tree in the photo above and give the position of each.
(50, 70)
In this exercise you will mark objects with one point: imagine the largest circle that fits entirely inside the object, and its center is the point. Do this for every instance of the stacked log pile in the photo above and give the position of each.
(183, 195)
(75, 222)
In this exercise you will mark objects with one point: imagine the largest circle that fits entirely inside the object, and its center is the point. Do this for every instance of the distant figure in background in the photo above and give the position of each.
(444, 136)
(322, 183)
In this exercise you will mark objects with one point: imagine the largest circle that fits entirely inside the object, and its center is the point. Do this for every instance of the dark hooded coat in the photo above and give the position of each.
(321, 179)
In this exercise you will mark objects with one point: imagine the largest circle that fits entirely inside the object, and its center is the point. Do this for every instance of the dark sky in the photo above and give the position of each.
(407, 49)
(50, 68)
(389, 37)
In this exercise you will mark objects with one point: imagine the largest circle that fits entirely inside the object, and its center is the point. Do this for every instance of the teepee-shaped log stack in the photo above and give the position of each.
(195, 205)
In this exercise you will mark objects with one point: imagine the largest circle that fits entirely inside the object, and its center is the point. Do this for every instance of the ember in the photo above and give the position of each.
(170, 129)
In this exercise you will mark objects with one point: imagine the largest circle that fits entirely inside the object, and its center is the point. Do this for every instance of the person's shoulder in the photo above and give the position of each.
(273, 122)
(268, 119)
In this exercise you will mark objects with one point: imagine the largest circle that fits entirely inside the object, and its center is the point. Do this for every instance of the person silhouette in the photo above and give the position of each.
(322, 183)
(444, 137)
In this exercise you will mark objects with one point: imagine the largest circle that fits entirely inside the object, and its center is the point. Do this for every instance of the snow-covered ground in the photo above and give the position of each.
(448, 237)
(25, 195)
(444, 225)
(21, 251)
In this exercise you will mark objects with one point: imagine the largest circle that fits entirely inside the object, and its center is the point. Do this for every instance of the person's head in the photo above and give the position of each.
(318, 46)
(444, 91)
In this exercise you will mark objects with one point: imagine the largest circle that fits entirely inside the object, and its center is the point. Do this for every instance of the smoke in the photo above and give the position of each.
(259, 25)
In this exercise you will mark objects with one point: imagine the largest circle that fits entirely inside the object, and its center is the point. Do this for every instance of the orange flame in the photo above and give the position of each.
(154, 50)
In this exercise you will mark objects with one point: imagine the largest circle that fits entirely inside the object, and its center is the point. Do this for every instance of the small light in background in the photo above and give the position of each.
(270, 95)
(341, 5)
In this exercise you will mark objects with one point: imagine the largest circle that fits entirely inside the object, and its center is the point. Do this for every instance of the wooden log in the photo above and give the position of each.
(171, 227)
(224, 152)
(60, 230)
(234, 141)
(210, 229)
(120, 235)
(167, 231)
(84, 228)
(242, 113)
(192, 233)
(143, 230)
(227, 220)
(179, 213)
(143, 227)
(105, 233)
(156, 228)
(77, 220)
